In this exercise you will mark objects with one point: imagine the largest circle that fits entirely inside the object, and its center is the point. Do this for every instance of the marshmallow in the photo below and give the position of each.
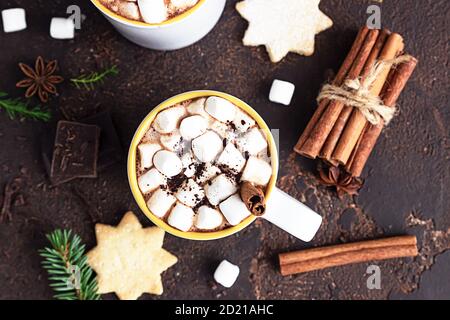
(190, 193)
(167, 163)
(14, 20)
(151, 180)
(207, 146)
(62, 28)
(281, 92)
(197, 107)
(146, 153)
(234, 209)
(208, 218)
(220, 128)
(189, 164)
(221, 188)
(192, 127)
(171, 141)
(167, 121)
(232, 158)
(160, 203)
(220, 108)
(257, 171)
(226, 274)
(252, 142)
(242, 121)
(153, 11)
(210, 171)
(181, 217)
(128, 9)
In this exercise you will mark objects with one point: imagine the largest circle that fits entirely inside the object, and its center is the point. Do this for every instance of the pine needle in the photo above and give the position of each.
(17, 108)
(66, 263)
(88, 81)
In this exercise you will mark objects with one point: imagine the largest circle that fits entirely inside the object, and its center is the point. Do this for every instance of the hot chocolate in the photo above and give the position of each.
(192, 162)
(149, 11)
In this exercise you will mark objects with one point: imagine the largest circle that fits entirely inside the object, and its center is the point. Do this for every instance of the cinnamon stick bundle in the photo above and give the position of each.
(344, 254)
(338, 133)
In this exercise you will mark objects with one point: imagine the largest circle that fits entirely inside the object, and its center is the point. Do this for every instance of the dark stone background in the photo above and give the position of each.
(408, 176)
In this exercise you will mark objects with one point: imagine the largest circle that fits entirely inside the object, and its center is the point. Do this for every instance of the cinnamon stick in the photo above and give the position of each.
(333, 137)
(340, 77)
(355, 125)
(391, 92)
(332, 256)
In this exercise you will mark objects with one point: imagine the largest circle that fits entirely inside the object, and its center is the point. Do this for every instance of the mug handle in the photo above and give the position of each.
(292, 216)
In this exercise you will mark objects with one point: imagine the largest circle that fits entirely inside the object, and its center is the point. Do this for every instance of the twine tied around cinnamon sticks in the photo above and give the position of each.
(356, 93)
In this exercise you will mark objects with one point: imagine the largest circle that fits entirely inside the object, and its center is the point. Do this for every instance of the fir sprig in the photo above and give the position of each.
(88, 81)
(66, 263)
(16, 108)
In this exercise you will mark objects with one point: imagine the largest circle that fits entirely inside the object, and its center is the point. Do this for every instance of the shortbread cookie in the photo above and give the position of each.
(129, 259)
(283, 26)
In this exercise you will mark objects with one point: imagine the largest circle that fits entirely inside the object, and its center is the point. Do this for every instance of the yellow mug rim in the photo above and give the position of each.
(120, 18)
(142, 129)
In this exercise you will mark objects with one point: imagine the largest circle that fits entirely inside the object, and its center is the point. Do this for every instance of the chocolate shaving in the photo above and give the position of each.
(11, 189)
(253, 198)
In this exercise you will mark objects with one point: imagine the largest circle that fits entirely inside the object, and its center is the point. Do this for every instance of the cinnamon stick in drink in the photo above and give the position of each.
(340, 77)
(391, 92)
(357, 121)
(333, 137)
(338, 255)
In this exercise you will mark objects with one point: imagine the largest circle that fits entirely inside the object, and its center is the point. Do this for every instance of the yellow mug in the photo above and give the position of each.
(282, 210)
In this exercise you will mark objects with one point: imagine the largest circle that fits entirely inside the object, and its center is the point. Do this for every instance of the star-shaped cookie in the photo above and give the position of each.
(129, 259)
(283, 26)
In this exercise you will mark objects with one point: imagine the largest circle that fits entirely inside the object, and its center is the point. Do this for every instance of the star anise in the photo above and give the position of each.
(341, 180)
(41, 80)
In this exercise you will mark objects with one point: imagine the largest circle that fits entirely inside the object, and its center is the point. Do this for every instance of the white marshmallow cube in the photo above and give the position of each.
(234, 210)
(62, 28)
(208, 218)
(153, 11)
(257, 171)
(171, 141)
(252, 142)
(226, 274)
(181, 217)
(210, 171)
(167, 121)
(197, 107)
(146, 153)
(242, 121)
(232, 158)
(220, 108)
(160, 203)
(193, 127)
(282, 92)
(220, 188)
(14, 20)
(207, 146)
(151, 180)
(167, 163)
(190, 193)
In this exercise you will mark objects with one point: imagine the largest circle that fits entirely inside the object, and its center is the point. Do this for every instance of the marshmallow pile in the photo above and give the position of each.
(150, 11)
(192, 160)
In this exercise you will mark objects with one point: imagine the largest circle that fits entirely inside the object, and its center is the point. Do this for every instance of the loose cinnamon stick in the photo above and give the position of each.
(340, 77)
(357, 121)
(333, 137)
(320, 258)
(391, 92)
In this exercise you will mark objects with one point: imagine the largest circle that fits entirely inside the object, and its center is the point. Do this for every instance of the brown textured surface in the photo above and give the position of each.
(407, 177)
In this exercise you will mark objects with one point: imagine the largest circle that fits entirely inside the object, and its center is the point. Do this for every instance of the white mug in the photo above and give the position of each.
(176, 33)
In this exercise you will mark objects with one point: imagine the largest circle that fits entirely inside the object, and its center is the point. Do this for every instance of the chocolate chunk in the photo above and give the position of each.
(75, 152)
(110, 150)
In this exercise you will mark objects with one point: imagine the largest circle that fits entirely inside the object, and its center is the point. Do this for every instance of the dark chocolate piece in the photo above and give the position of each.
(75, 152)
